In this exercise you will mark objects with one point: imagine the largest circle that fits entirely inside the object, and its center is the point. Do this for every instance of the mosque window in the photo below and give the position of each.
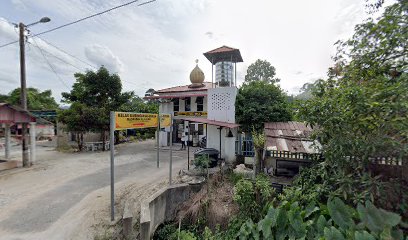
(200, 104)
(187, 104)
(176, 105)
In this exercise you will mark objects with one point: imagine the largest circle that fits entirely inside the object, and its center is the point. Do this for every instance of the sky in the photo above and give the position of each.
(155, 45)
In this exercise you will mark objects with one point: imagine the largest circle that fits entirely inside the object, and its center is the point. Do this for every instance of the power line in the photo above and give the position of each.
(61, 59)
(49, 64)
(82, 19)
(73, 56)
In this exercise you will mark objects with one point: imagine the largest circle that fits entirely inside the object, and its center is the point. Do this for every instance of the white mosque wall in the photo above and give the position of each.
(227, 143)
(221, 104)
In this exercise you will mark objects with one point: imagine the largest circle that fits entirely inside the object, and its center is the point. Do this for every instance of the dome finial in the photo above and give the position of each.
(196, 77)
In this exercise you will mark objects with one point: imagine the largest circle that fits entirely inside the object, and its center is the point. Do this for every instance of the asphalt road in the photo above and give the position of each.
(39, 211)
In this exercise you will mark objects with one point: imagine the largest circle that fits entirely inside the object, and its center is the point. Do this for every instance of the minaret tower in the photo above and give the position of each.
(225, 60)
(221, 99)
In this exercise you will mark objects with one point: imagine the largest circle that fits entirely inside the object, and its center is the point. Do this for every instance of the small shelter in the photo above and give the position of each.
(289, 146)
(11, 115)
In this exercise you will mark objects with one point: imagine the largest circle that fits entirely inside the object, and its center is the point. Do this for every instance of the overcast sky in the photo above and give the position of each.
(155, 45)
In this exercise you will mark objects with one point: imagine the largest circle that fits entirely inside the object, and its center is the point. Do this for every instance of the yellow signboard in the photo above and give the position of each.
(165, 120)
(124, 120)
(192, 114)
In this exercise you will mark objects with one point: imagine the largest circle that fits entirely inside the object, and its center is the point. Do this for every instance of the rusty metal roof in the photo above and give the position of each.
(289, 136)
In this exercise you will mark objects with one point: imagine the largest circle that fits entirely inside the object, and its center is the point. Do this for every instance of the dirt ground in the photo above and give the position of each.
(67, 195)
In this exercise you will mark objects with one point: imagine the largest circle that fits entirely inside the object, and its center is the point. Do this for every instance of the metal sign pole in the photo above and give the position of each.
(171, 151)
(158, 140)
(112, 163)
(188, 146)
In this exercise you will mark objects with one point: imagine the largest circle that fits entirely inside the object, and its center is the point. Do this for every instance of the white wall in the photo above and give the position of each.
(227, 144)
(221, 104)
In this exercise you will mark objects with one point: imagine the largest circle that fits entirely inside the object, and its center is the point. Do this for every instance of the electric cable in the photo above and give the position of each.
(49, 64)
(82, 19)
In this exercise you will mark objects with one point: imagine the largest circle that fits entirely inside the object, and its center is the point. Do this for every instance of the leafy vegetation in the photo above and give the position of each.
(259, 102)
(36, 100)
(335, 220)
(261, 70)
(93, 96)
(201, 162)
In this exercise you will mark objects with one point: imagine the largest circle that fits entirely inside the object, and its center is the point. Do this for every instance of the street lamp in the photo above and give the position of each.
(23, 89)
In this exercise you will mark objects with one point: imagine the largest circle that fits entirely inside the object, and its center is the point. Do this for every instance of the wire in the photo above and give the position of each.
(91, 16)
(49, 64)
(73, 56)
(82, 19)
(61, 59)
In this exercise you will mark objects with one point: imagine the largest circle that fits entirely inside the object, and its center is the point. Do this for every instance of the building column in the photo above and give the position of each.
(7, 143)
(32, 142)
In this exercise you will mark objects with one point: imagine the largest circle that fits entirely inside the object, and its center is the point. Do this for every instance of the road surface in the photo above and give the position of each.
(58, 197)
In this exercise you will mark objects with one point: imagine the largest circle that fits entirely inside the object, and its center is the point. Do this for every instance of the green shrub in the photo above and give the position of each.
(335, 220)
(183, 235)
(253, 196)
(165, 231)
(201, 162)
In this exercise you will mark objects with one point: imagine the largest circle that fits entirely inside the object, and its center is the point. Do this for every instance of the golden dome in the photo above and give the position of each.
(197, 76)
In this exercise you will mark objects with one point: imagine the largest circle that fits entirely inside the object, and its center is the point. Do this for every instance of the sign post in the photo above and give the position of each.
(171, 152)
(112, 162)
(125, 120)
(158, 141)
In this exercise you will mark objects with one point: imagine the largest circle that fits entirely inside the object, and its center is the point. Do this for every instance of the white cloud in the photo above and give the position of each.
(103, 56)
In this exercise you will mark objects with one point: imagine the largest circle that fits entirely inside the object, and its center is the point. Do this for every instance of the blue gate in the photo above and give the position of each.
(244, 146)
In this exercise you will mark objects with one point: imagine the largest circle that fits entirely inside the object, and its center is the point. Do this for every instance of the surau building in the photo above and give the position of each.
(202, 108)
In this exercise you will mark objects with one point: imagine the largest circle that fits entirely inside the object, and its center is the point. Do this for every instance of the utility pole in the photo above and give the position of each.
(23, 95)
(23, 90)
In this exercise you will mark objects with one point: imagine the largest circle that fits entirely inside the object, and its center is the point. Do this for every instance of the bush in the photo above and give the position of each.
(335, 220)
(164, 231)
(201, 162)
(252, 197)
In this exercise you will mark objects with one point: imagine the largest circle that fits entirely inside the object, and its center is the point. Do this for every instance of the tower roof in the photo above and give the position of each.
(224, 53)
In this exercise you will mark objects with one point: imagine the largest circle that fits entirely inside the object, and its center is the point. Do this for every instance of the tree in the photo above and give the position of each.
(306, 90)
(97, 93)
(259, 102)
(3, 98)
(137, 104)
(36, 100)
(361, 112)
(261, 70)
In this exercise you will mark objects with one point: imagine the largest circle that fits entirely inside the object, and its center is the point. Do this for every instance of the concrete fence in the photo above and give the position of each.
(162, 207)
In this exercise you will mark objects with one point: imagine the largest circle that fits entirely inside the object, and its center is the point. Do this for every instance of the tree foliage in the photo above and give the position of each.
(137, 104)
(93, 96)
(36, 100)
(259, 102)
(362, 109)
(261, 70)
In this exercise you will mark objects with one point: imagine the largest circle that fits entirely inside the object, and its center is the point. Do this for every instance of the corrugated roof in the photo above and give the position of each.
(289, 136)
(15, 114)
(185, 88)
